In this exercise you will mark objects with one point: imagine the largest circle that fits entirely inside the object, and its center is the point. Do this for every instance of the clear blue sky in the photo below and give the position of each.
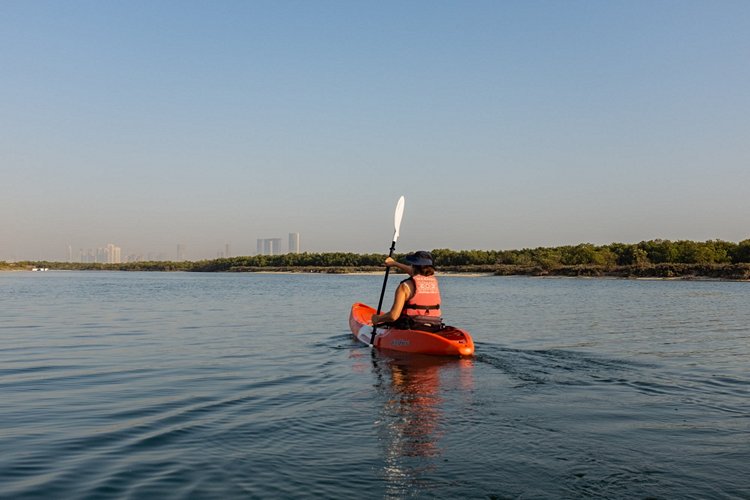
(505, 124)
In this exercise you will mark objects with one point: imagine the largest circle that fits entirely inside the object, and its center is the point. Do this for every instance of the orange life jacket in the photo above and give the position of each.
(426, 299)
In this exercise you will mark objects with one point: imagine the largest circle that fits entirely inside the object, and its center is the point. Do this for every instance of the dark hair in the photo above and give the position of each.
(424, 270)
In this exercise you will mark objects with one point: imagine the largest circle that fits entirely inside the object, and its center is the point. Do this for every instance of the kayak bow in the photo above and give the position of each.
(450, 341)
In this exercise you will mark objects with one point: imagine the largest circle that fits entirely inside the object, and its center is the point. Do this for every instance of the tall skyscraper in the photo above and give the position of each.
(269, 246)
(293, 242)
(272, 246)
(113, 254)
(226, 251)
(180, 252)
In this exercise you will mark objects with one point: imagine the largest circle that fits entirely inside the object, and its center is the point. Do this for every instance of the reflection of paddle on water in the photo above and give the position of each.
(411, 421)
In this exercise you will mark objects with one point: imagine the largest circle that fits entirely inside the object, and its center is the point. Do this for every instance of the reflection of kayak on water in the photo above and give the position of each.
(418, 397)
(449, 341)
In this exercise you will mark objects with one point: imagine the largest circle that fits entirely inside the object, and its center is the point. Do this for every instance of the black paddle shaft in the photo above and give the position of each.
(382, 291)
(385, 280)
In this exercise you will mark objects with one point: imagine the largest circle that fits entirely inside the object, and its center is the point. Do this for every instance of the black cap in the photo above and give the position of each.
(420, 258)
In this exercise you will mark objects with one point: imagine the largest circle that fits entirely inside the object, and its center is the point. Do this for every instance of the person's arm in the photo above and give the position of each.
(391, 262)
(402, 294)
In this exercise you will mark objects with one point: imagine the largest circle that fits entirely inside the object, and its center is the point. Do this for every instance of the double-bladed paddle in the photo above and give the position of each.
(396, 224)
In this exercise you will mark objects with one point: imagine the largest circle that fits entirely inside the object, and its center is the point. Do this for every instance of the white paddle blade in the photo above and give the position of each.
(397, 217)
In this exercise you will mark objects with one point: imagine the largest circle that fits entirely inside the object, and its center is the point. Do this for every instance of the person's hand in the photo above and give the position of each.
(374, 319)
(390, 262)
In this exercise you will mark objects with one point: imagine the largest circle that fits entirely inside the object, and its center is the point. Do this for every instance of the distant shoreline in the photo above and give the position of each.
(725, 272)
(707, 272)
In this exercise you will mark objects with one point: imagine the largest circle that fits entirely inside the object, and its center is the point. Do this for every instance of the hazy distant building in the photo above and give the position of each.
(113, 254)
(86, 256)
(180, 252)
(293, 242)
(272, 246)
(226, 251)
(269, 246)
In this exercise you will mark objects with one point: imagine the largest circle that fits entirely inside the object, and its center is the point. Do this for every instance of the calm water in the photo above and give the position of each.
(176, 385)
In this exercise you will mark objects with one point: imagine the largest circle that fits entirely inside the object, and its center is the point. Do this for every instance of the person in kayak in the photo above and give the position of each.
(416, 304)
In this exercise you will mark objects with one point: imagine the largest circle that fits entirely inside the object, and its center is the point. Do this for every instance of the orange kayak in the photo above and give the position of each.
(450, 341)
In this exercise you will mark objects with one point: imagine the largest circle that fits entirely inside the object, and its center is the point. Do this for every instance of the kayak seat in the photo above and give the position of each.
(421, 323)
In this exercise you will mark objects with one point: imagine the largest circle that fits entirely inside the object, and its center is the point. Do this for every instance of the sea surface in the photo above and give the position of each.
(221, 386)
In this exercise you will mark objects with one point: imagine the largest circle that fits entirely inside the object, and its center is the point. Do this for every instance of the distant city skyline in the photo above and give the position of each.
(114, 254)
(108, 254)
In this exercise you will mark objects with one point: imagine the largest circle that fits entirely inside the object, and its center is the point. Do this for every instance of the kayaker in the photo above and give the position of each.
(416, 303)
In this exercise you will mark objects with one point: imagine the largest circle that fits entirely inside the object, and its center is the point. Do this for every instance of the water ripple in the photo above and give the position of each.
(141, 385)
